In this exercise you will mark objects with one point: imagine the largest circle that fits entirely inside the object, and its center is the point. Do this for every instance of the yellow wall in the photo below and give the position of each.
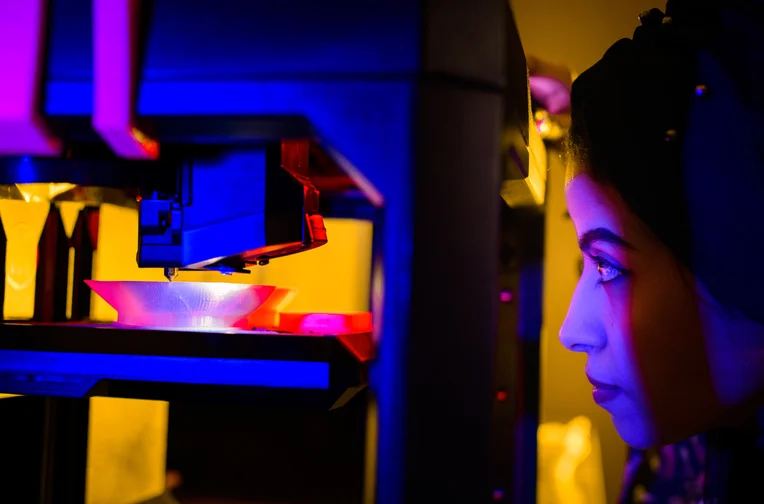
(127, 438)
(579, 32)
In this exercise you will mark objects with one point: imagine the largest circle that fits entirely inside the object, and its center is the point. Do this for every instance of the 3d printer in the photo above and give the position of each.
(235, 127)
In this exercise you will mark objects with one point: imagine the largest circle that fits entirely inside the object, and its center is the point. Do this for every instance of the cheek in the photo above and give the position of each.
(665, 324)
(607, 308)
(669, 354)
(653, 319)
(620, 326)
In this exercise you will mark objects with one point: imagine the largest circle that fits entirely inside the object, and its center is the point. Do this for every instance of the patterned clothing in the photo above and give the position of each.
(672, 474)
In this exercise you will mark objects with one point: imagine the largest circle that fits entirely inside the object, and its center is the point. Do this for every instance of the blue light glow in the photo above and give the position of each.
(24, 170)
(191, 370)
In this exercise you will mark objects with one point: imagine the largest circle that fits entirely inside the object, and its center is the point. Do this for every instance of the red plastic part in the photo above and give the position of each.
(325, 323)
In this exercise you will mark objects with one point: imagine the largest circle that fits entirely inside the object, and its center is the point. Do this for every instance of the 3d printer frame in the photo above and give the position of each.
(414, 101)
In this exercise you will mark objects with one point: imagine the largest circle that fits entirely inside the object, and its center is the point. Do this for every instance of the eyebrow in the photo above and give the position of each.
(601, 235)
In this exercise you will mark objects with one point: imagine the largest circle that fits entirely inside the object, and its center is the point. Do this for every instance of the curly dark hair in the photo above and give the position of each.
(629, 116)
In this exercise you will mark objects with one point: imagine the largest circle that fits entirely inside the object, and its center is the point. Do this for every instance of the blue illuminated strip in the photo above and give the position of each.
(200, 371)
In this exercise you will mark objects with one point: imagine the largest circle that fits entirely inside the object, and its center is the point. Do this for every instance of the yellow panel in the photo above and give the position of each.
(70, 211)
(126, 450)
(570, 464)
(335, 277)
(23, 223)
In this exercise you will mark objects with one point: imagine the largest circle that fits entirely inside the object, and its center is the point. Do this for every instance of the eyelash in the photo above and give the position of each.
(604, 264)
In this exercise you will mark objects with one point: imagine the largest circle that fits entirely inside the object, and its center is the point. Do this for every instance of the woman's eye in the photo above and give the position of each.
(606, 271)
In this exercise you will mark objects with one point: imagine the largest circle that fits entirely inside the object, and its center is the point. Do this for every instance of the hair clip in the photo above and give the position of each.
(651, 17)
(701, 90)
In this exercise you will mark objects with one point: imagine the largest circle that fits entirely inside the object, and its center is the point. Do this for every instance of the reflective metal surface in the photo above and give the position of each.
(58, 192)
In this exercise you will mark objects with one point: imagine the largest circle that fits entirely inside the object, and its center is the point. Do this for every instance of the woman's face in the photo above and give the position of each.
(640, 318)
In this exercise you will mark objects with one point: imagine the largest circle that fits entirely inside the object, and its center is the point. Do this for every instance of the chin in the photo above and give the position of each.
(636, 431)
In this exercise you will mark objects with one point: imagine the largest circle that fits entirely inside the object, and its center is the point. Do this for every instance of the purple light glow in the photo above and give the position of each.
(552, 94)
(114, 32)
(22, 35)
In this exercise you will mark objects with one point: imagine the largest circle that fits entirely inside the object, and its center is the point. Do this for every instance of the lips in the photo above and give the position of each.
(603, 392)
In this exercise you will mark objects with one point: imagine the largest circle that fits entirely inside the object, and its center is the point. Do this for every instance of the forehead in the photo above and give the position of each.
(592, 205)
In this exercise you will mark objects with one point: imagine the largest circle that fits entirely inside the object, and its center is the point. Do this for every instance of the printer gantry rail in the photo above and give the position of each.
(79, 360)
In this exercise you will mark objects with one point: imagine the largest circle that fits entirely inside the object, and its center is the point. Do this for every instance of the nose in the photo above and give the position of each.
(581, 331)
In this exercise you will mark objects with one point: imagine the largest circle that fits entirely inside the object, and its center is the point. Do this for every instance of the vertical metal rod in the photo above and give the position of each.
(52, 271)
(65, 448)
(84, 247)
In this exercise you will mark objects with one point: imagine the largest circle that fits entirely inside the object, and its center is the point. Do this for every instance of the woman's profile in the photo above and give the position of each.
(665, 187)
